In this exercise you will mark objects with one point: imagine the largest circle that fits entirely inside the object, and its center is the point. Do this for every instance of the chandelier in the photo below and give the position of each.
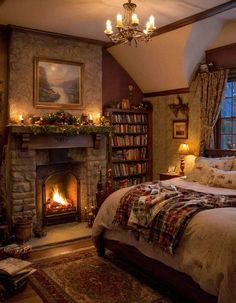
(128, 27)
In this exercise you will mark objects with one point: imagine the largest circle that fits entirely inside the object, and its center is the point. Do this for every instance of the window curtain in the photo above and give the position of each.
(212, 92)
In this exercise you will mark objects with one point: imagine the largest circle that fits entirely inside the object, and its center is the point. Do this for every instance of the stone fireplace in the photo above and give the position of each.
(51, 177)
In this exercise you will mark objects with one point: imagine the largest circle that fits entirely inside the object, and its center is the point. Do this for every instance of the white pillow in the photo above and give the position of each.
(234, 165)
(223, 163)
(224, 178)
(201, 173)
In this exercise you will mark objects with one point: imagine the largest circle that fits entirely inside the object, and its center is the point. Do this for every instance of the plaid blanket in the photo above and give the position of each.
(160, 213)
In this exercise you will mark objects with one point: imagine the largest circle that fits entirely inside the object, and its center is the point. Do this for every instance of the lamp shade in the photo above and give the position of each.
(183, 149)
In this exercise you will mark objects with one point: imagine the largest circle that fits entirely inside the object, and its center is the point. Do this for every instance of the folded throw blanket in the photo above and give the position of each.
(160, 213)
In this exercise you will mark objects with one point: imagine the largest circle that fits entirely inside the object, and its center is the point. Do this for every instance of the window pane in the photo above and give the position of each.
(226, 108)
(226, 126)
(234, 126)
(227, 120)
(225, 141)
(228, 89)
(234, 106)
(234, 88)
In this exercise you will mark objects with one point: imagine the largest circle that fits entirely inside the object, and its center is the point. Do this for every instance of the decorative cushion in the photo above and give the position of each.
(201, 173)
(234, 165)
(223, 163)
(224, 179)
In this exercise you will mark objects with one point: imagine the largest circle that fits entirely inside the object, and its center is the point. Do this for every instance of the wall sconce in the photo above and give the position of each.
(179, 107)
(183, 151)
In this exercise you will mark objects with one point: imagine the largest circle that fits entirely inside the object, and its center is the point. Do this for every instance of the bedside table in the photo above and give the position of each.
(167, 176)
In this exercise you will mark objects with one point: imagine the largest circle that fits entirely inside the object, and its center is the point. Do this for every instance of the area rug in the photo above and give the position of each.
(84, 277)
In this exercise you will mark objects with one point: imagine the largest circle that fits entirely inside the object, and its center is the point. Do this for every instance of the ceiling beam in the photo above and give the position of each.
(197, 17)
(51, 34)
(175, 91)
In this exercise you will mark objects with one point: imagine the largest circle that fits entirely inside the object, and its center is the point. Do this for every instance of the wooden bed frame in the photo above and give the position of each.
(179, 282)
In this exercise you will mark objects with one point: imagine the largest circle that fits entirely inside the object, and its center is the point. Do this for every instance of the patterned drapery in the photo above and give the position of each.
(212, 91)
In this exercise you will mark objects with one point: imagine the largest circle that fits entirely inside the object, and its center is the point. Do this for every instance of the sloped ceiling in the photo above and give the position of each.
(168, 62)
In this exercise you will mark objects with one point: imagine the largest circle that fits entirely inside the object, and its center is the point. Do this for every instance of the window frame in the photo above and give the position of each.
(217, 128)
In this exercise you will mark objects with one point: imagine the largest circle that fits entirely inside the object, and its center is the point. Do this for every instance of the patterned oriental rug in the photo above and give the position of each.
(84, 277)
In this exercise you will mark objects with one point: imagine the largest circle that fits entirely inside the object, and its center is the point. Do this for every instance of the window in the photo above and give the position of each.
(226, 126)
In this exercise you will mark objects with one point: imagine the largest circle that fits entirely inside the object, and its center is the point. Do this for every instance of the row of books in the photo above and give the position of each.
(128, 182)
(130, 154)
(129, 128)
(129, 118)
(123, 169)
(129, 140)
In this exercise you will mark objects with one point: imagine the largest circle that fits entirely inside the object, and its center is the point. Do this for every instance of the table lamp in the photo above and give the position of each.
(183, 151)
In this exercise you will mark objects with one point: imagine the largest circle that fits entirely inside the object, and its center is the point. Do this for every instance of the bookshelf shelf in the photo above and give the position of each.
(123, 161)
(130, 152)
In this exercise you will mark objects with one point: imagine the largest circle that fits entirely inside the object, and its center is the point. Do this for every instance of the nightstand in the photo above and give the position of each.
(167, 176)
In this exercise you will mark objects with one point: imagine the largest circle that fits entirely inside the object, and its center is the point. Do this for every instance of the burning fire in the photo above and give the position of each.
(57, 197)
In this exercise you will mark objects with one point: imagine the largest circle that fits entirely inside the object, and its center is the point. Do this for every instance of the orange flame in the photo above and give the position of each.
(57, 196)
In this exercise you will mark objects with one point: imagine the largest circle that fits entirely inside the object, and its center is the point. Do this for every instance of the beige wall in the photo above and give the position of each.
(226, 36)
(165, 148)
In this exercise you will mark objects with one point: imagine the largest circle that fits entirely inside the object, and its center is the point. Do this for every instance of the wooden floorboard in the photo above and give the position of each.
(28, 295)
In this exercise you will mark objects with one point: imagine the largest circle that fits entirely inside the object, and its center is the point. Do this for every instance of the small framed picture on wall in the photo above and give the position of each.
(180, 129)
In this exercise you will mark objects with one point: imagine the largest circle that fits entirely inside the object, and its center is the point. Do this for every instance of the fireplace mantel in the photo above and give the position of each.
(37, 138)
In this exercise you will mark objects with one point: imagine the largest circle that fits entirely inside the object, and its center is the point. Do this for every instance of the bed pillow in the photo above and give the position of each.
(234, 165)
(223, 178)
(223, 163)
(201, 173)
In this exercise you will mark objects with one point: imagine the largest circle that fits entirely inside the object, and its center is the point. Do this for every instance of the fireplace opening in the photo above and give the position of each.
(61, 198)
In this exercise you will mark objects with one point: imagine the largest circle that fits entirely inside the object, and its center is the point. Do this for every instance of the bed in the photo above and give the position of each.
(203, 267)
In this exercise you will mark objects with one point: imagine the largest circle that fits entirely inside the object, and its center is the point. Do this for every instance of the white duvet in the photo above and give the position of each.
(207, 250)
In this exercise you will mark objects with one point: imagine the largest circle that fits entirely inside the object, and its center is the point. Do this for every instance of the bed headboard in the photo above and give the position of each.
(215, 153)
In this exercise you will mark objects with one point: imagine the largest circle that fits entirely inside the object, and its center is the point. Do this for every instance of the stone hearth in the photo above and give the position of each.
(30, 158)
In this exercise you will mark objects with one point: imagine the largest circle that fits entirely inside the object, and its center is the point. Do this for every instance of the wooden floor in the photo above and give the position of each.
(29, 295)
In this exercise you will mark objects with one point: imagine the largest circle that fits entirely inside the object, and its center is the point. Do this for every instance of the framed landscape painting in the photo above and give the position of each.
(180, 129)
(57, 84)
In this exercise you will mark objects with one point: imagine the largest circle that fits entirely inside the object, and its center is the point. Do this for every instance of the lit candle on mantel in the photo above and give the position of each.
(90, 119)
(147, 26)
(108, 29)
(21, 119)
(98, 118)
(135, 20)
(119, 22)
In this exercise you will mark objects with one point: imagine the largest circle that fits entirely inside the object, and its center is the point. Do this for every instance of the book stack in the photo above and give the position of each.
(14, 273)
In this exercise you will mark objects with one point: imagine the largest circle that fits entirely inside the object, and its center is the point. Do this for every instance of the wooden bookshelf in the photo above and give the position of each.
(130, 147)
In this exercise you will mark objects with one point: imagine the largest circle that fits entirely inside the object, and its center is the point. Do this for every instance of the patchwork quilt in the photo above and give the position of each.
(160, 213)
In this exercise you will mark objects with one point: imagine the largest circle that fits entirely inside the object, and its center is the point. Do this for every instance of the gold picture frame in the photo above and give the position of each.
(58, 84)
(180, 129)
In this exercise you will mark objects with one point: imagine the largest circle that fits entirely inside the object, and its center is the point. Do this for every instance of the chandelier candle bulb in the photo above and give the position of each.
(151, 23)
(108, 30)
(135, 20)
(148, 26)
(119, 21)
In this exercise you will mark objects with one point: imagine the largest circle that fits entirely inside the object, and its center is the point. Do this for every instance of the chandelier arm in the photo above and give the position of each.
(128, 28)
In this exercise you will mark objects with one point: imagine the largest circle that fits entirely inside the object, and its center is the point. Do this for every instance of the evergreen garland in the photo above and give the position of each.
(65, 123)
